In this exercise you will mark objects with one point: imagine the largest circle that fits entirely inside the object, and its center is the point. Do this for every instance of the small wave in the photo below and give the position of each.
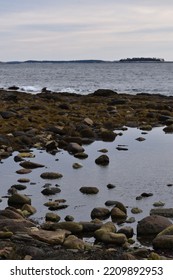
(30, 89)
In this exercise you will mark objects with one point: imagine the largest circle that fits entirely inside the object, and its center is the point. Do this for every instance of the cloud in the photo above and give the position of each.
(79, 29)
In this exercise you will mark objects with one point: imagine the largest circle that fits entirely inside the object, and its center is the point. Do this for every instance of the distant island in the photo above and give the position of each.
(134, 59)
(142, 59)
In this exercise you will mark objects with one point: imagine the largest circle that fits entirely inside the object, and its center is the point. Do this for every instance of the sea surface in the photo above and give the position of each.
(84, 78)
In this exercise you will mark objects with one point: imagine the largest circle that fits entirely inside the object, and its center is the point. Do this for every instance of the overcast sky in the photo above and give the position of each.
(85, 29)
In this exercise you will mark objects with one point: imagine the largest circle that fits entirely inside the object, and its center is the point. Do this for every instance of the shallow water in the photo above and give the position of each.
(145, 167)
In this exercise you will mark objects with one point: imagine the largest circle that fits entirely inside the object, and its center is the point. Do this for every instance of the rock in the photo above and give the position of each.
(108, 136)
(25, 155)
(51, 145)
(104, 92)
(16, 225)
(102, 160)
(30, 209)
(165, 212)
(50, 191)
(130, 220)
(18, 199)
(117, 214)
(158, 204)
(87, 133)
(103, 151)
(52, 217)
(168, 129)
(163, 242)
(51, 237)
(145, 127)
(136, 210)
(51, 175)
(152, 225)
(90, 226)
(100, 213)
(81, 155)
(122, 148)
(23, 180)
(144, 194)
(31, 165)
(5, 234)
(7, 114)
(75, 148)
(69, 218)
(23, 171)
(77, 165)
(18, 187)
(13, 88)
(128, 231)
(110, 237)
(167, 231)
(111, 186)
(57, 207)
(88, 121)
(72, 227)
(89, 190)
(140, 139)
(74, 243)
(10, 213)
(116, 204)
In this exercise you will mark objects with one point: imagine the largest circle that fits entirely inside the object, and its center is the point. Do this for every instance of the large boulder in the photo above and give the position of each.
(152, 225)
(16, 225)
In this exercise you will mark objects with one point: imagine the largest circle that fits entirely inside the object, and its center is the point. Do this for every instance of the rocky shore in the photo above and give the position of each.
(53, 121)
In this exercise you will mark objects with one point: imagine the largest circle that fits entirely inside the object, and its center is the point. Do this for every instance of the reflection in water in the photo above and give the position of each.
(143, 167)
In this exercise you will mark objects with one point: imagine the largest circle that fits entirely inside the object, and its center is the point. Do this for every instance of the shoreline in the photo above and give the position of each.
(51, 121)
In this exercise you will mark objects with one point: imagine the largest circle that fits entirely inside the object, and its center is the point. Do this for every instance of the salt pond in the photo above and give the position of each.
(146, 166)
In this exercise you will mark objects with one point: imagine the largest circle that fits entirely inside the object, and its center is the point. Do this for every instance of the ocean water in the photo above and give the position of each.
(85, 78)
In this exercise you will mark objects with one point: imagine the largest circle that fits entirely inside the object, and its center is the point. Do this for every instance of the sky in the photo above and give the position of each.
(80, 29)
